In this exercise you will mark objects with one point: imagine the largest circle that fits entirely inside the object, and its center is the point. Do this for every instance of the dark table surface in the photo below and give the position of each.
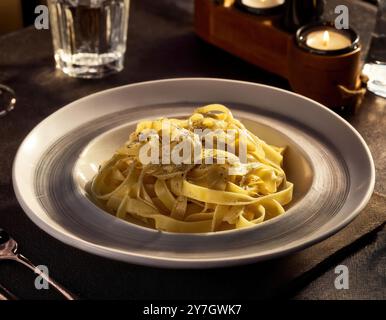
(161, 44)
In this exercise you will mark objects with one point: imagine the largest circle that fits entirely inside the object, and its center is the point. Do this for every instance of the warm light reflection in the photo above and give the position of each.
(31, 143)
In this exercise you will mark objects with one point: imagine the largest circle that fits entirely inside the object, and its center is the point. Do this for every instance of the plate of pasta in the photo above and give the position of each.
(193, 173)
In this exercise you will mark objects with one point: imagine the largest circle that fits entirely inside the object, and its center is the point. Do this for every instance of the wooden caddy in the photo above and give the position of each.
(332, 80)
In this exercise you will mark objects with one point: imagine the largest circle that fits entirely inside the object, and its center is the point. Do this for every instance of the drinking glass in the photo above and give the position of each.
(89, 36)
(375, 66)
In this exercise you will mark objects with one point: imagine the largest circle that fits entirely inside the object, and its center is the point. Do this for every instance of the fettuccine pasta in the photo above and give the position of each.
(209, 190)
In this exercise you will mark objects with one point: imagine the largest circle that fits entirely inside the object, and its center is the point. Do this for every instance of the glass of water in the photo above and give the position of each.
(375, 66)
(89, 36)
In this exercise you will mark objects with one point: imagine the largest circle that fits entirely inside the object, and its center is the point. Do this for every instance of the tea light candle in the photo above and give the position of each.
(327, 40)
(323, 38)
(261, 6)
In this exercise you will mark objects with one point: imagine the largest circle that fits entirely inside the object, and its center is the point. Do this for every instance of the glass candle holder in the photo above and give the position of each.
(324, 39)
(298, 13)
(261, 7)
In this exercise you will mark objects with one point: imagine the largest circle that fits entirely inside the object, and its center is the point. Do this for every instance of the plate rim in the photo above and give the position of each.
(168, 262)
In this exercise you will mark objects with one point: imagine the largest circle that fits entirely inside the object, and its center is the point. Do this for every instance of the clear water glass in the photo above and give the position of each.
(375, 66)
(89, 36)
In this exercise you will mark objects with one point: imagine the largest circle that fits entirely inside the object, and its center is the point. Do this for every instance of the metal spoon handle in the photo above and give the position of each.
(7, 100)
(23, 260)
(5, 294)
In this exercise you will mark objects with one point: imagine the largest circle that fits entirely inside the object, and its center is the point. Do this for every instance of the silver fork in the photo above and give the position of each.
(7, 100)
(8, 251)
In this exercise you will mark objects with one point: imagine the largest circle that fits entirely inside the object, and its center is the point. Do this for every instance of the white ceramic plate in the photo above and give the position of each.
(327, 159)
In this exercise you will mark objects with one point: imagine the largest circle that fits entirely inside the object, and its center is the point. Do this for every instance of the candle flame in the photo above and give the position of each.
(228, 3)
(326, 38)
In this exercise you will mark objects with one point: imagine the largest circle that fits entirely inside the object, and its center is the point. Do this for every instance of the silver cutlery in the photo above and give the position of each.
(8, 251)
(6, 295)
(7, 100)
